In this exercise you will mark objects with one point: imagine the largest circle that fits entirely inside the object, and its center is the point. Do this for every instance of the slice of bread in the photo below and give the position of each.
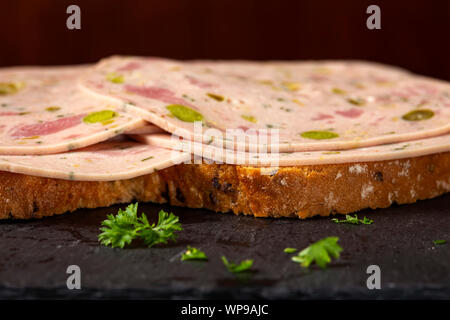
(299, 191)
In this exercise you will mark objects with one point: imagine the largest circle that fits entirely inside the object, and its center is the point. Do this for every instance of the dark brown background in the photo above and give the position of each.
(414, 34)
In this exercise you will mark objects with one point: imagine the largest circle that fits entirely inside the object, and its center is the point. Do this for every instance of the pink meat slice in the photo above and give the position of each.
(43, 111)
(111, 160)
(342, 99)
(416, 148)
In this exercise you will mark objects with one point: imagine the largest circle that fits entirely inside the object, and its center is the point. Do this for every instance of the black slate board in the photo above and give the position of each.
(34, 256)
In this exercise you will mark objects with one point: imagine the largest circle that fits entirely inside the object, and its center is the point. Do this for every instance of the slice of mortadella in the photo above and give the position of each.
(111, 160)
(304, 106)
(211, 153)
(42, 111)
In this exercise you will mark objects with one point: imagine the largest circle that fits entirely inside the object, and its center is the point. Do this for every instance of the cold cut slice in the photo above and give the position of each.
(211, 153)
(116, 159)
(315, 105)
(43, 111)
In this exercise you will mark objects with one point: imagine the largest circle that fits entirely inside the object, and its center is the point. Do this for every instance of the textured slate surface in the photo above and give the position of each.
(34, 256)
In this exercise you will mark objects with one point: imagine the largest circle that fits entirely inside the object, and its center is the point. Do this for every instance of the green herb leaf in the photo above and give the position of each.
(402, 147)
(163, 231)
(53, 109)
(123, 228)
(438, 242)
(193, 254)
(356, 101)
(216, 97)
(319, 252)
(289, 250)
(319, 135)
(184, 113)
(366, 220)
(338, 91)
(353, 220)
(241, 267)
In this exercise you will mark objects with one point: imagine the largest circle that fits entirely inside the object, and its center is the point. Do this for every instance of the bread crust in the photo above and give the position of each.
(298, 191)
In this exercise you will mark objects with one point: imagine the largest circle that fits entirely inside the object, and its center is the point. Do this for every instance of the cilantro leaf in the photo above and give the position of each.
(353, 220)
(289, 250)
(319, 252)
(123, 228)
(245, 265)
(193, 254)
(438, 242)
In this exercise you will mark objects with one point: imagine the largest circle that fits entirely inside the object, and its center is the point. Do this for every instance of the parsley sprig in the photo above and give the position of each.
(353, 220)
(319, 252)
(123, 228)
(193, 254)
(245, 265)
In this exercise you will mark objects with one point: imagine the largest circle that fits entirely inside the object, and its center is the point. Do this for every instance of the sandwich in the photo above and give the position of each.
(268, 139)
